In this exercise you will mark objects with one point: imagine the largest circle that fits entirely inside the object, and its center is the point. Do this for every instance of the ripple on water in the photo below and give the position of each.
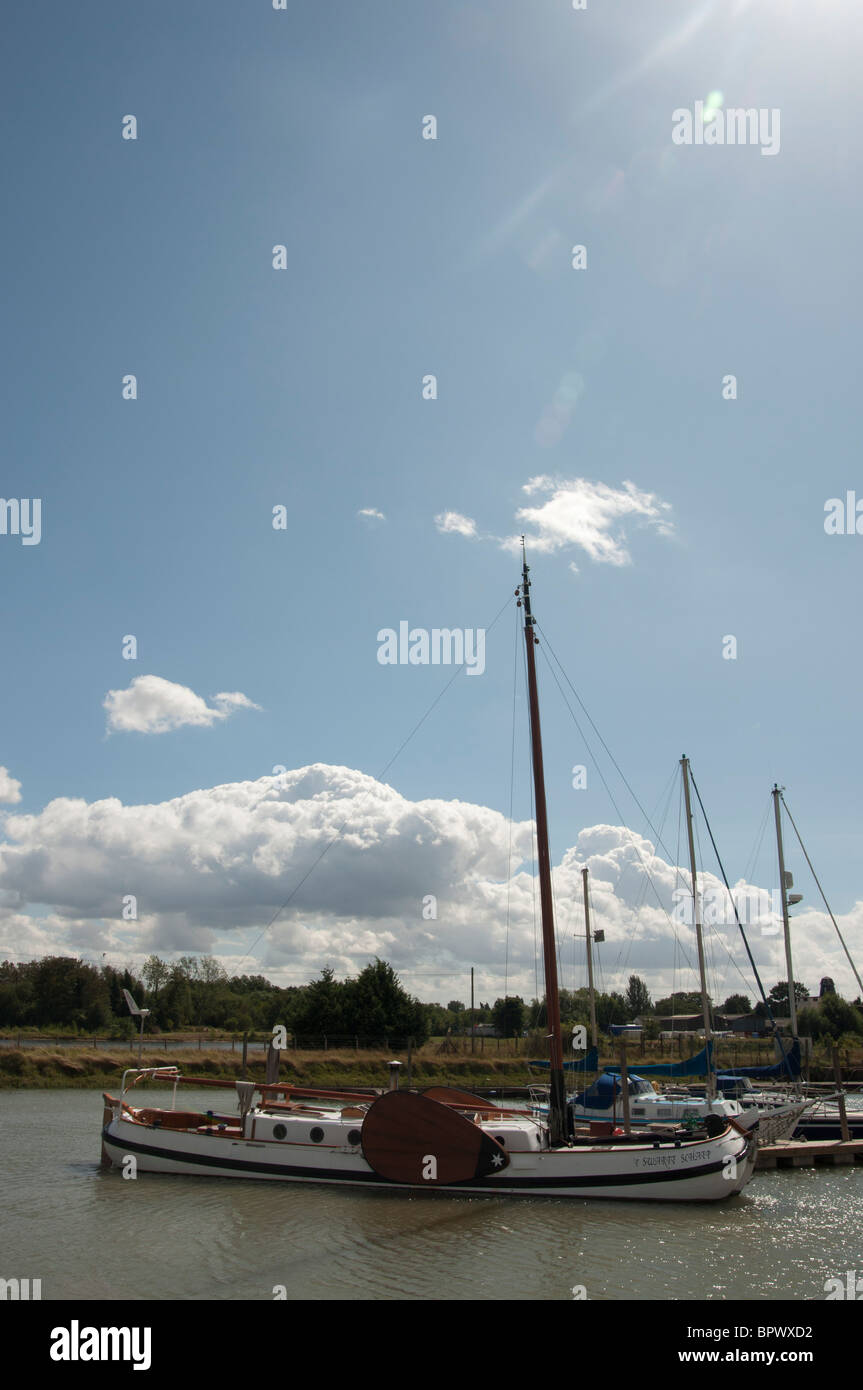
(89, 1234)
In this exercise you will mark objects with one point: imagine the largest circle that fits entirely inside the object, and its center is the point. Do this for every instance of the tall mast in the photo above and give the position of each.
(696, 908)
(783, 885)
(557, 1093)
(594, 1035)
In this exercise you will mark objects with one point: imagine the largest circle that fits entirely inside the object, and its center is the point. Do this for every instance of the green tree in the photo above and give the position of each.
(156, 973)
(737, 1004)
(778, 996)
(637, 997)
(610, 1008)
(681, 1003)
(508, 1016)
(376, 1006)
(322, 1011)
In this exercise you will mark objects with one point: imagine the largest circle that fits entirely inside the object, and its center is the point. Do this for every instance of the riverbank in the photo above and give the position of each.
(46, 1068)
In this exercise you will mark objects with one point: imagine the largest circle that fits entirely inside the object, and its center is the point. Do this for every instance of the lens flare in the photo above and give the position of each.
(712, 106)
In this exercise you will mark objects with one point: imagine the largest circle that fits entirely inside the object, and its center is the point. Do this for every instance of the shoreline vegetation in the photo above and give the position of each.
(497, 1063)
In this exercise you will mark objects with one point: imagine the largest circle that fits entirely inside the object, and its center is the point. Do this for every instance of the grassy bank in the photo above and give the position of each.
(88, 1067)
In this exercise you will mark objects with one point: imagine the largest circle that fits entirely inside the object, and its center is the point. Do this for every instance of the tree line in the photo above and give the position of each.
(60, 992)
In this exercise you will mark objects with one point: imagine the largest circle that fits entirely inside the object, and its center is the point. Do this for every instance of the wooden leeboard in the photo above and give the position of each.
(409, 1138)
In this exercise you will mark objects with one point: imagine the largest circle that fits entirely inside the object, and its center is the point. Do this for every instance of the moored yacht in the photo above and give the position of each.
(441, 1138)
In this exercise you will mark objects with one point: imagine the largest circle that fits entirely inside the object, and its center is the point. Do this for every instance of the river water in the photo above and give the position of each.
(87, 1233)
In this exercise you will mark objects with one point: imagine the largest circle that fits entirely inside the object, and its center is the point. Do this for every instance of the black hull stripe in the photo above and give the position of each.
(241, 1166)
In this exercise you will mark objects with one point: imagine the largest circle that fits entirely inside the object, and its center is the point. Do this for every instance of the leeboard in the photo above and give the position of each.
(409, 1138)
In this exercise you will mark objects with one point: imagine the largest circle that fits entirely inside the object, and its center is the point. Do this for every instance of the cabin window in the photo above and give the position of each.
(280, 1131)
(354, 1137)
(316, 1135)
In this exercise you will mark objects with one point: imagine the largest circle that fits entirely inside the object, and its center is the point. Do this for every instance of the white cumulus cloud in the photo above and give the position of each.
(576, 514)
(589, 516)
(152, 705)
(211, 869)
(371, 512)
(455, 522)
(10, 788)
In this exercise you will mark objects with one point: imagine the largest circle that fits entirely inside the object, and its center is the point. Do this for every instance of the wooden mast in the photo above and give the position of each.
(557, 1127)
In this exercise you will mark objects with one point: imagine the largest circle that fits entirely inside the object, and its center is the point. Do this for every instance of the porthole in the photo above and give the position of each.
(501, 1139)
(316, 1135)
(354, 1137)
(280, 1131)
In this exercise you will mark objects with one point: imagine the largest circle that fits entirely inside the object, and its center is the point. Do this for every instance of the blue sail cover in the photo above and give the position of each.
(589, 1062)
(791, 1066)
(601, 1095)
(699, 1065)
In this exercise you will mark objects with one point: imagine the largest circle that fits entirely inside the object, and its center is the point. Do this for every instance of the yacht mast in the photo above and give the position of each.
(557, 1094)
(783, 884)
(696, 908)
(594, 1035)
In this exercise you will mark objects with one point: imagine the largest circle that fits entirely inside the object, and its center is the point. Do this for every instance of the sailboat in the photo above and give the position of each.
(440, 1139)
(609, 1093)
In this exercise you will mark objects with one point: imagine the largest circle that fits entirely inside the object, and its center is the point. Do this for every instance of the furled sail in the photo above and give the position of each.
(790, 1066)
(699, 1065)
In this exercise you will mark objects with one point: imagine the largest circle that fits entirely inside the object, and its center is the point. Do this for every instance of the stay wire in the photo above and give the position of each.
(740, 925)
(821, 891)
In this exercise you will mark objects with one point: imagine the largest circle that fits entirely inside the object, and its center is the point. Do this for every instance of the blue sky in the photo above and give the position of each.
(302, 388)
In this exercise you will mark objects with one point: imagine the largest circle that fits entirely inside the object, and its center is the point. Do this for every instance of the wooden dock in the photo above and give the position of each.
(795, 1153)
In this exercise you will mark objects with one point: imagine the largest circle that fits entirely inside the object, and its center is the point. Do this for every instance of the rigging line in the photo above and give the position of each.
(647, 819)
(710, 956)
(749, 870)
(619, 813)
(328, 846)
(740, 925)
(821, 891)
(714, 935)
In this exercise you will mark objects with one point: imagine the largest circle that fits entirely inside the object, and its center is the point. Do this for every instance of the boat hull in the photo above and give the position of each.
(700, 1170)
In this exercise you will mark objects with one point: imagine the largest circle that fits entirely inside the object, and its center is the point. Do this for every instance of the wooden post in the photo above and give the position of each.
(624, 1086)
(837, 1073)
(245, 1054)
(410, 1041)
(272, 1065)
(472, 1016)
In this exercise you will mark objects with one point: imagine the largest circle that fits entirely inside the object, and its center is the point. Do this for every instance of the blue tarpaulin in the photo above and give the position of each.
(589, 1062)
(699, 1065)
(792, 1062)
